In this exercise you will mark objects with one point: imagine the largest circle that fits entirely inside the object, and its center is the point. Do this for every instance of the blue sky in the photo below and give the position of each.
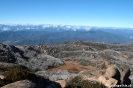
(103, 13)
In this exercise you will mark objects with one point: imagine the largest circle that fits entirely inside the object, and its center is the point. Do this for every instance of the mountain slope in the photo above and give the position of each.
(51, 38)
(27, 56)
(54, 34)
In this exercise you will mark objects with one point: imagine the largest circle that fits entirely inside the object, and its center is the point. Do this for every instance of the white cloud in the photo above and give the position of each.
(5, 29)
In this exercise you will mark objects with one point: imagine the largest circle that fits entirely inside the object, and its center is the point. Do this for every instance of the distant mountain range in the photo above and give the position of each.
(54, 34)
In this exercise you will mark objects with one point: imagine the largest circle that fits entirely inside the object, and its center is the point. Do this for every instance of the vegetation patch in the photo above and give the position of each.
(78, 82)
(16, 74)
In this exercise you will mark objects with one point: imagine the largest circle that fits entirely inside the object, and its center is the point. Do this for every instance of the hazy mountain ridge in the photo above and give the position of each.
(56, 34)
(51, 38)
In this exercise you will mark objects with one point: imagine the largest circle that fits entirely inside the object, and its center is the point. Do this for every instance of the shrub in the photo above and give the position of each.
(78, 82)
(75, 82)
(16, 74)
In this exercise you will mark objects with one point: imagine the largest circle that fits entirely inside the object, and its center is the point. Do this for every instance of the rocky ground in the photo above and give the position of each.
(105, 63)
(98, 55)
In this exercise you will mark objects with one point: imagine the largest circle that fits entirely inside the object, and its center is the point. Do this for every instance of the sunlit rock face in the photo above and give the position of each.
(115, 76)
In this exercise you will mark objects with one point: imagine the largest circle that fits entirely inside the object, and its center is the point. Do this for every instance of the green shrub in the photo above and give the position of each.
(16, 74)
(75, 82)
(78, 82)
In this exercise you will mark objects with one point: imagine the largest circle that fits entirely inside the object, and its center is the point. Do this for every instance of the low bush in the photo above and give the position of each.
(78, 82)
(16, 74)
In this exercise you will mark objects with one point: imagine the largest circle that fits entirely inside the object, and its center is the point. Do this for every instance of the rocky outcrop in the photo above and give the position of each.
(42, 58)
(21, 84)
(88, 53)
(30, 84)
(115, 76)
(112, 72)
(56, 75)
(38, 82)
(27, 56)
(125, 73)
(5, 66)
(107, 81)
(63, 83)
